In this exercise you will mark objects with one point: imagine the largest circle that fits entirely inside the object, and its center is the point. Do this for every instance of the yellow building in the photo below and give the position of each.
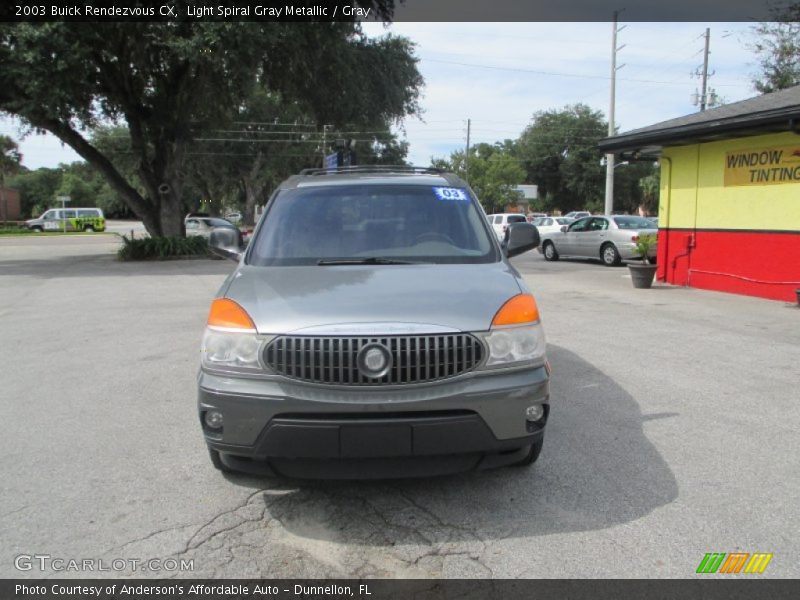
(729, 206)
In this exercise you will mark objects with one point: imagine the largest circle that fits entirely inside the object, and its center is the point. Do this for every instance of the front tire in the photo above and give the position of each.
(532, 456)
(549, 251)
(610, 255)
(216, 460)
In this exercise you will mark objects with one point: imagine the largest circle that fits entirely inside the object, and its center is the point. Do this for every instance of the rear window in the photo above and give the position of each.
(634, 223)
(215, 222)
(517, 218)
(414, 223)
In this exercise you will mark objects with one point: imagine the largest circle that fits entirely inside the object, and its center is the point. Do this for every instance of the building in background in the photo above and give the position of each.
(9, 205)
(729, 203)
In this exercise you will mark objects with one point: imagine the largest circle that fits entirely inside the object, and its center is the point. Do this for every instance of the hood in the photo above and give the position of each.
(366, 299)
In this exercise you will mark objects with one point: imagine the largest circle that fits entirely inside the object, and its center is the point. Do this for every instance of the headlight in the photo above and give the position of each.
(512, 345)
(225, 349)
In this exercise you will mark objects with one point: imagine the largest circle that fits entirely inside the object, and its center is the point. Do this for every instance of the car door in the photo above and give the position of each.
(596, 233)
(570, 242)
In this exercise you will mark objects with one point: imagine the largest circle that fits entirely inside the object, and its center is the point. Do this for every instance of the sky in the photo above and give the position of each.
(499, 75)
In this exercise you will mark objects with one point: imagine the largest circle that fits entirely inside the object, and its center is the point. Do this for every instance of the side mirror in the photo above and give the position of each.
(520, 237)
(563, 229)
(226, 243)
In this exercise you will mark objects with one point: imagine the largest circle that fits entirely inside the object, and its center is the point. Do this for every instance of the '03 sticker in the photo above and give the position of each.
(450, 193)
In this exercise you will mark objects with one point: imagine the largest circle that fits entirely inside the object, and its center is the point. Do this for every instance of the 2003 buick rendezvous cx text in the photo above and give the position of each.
(373, 328)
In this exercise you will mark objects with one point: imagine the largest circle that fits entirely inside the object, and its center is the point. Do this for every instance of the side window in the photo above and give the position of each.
(70, 214)
(580, 225)
(192, 225)
(547, 222)
(50, 214)
(498, 219)
(598, 225)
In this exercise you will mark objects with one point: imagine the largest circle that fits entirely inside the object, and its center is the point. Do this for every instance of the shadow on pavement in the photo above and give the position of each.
(597, 470)
(107, 265)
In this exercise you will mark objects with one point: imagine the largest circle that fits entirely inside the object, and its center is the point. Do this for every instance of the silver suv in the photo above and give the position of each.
(373, 328)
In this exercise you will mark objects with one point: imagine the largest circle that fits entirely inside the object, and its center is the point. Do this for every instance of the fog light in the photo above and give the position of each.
(534, 413)
(214, 419)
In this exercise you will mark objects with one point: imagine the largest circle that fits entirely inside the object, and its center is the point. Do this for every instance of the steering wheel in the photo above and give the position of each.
(432, 236)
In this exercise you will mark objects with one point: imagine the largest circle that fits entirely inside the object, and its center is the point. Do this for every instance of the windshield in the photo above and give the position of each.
(633, 223)
(412, 223)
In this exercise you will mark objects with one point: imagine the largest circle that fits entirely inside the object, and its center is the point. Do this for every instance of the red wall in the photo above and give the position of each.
(753, 263)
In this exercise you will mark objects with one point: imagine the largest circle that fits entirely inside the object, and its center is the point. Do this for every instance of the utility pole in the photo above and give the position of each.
(704, 97)
(466, 155)
(609, 204)
(324, 144)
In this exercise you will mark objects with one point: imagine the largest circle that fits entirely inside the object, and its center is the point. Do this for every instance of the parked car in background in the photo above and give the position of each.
(612, 239)
(551, 224)
(69, 219)
(533, 216)
(203, 226)
(577, 214)
(234, 217)
(500, 222)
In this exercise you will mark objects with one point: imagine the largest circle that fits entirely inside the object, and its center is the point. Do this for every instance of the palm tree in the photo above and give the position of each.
(10, 159)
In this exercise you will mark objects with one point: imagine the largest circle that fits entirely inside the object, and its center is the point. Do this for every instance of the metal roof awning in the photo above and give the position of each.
(770, 113)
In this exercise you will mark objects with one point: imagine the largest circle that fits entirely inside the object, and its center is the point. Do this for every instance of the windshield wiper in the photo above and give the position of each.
(372, 260)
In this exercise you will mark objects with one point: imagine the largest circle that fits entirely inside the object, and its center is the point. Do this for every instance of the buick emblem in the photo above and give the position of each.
(374, 360)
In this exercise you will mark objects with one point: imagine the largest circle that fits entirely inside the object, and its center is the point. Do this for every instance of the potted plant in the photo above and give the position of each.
(642, 274)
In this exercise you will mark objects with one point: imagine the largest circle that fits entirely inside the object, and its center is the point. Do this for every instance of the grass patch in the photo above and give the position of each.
(162, 248)
(14, 230)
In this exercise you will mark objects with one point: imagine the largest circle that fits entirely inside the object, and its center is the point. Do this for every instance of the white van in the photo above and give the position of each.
(69, 219)
(500, 221)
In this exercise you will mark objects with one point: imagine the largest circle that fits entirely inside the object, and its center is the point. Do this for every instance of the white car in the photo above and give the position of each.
(551, 224)
(500, 222)
(610, 238)
(577, 214)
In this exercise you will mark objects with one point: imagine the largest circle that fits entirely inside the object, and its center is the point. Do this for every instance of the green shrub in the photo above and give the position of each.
(162, 248)
(14, 229)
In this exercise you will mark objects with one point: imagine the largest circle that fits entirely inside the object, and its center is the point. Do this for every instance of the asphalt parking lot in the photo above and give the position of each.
(673, 433)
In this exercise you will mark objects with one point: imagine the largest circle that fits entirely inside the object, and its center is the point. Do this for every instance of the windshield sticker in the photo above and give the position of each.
(450, 193)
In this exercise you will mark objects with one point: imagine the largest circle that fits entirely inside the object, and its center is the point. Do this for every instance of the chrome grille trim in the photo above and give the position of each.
(332, 359)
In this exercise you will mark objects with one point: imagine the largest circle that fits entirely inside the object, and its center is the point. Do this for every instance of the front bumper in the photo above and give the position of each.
(303, 430)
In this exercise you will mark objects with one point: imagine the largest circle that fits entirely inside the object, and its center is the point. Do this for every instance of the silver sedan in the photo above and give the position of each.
(612, 239)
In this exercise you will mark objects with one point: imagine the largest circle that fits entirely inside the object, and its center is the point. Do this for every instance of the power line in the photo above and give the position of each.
(557, 74)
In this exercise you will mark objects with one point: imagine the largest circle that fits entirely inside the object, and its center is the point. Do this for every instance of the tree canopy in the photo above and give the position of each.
(493, 173)
(558, 153)
(777, 46)
(168, 84)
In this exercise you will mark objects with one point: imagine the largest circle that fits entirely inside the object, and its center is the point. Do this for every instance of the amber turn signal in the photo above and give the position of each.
(519, 309)
(227, 314)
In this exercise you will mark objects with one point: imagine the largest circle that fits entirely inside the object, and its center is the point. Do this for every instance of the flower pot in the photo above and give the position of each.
(642, 275)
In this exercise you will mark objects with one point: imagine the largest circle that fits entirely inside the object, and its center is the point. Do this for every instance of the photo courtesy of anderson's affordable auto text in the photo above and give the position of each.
(382, 299)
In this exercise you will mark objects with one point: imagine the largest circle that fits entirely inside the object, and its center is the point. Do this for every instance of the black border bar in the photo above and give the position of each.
(737, 587)
(404, 11)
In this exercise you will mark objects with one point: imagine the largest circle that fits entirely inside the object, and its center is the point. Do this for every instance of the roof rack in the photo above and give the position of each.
(371, 169)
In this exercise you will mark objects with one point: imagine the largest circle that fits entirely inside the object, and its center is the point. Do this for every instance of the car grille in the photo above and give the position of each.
(333, 360)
